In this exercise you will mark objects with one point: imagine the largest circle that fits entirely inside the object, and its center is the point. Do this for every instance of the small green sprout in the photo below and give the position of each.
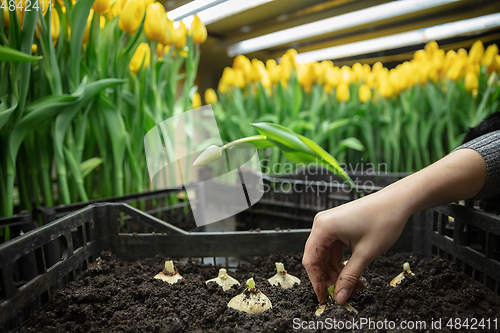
(251, 300)
(251, 283)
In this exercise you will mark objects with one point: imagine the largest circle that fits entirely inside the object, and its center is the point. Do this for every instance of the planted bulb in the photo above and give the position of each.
(406, 271)
(251, 300)
(170, 274)
(224, 280)
(282, 278)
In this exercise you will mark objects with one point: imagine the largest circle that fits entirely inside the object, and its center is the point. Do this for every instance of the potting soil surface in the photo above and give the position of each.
(121, 296)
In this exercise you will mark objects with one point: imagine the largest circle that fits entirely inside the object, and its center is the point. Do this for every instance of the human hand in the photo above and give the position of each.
(368, 226)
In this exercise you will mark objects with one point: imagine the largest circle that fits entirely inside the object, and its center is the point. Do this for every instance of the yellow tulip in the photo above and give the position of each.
(196, 100)
(55, 25)
(273, 70)
(243, 63)
(155, 24)
(377, 67)
(288, 59)
(210, 96)
(284, 72)
(307, 75)
(449, 59)
(140, 58)
(116, 8)
(420, 56)
(222, 87)
(346, 74)
(476, 52)
(239, 78)
(455, 71)
(180, 36)
(198, 31)
(365, 93)
(131, 16)
(332, 76)
(471, 81)
(258, 68)
(328, 88)
(159, 51)
(228, 77)
(462, 53)
(431, 48)
(385, 89)
(343, 92)
(34, 49)
(101, 6)
(489, 57)
(87, 28)
(357, 72)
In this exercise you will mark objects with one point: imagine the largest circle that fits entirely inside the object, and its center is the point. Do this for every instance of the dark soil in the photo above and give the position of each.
(123, 296)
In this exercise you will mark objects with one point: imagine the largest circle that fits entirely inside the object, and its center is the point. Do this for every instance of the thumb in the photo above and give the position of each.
(349, 277)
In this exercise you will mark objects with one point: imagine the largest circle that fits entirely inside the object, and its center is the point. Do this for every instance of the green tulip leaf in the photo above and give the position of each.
(86, 167)
(10, 54)
(352, 143)
(284, 138)
(323, 154)
(5, 110)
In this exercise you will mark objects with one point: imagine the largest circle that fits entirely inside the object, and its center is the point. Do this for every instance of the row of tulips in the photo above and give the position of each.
(81, 84)
(398, 119)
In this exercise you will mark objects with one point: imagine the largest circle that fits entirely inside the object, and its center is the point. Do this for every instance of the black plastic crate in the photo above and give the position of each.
(467, 237)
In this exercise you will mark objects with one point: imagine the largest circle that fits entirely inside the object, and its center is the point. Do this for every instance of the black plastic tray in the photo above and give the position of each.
(28, 276)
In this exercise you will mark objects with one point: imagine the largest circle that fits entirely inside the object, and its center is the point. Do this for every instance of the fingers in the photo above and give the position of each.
(314, 259)
(349, 277)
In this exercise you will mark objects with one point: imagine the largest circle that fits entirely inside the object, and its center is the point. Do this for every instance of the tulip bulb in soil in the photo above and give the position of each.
(406, 271)
(321, 308)
(251, 300)
(282, 278)
(170, 274)
(224, 280)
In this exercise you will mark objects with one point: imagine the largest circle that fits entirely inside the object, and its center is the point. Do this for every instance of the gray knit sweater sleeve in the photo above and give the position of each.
(488, 146)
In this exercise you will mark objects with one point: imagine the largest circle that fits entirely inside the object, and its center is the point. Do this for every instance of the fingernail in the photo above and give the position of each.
(342, 296)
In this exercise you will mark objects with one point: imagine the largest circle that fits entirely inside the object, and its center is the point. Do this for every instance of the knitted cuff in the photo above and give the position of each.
(488, 146)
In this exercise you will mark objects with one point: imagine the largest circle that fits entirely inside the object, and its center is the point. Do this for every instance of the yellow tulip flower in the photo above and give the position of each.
(357, 72)
(222, 87)
(346, 74)
(431, 48)
(455, 71)
(55, 25)
(288, 59)
(102, 6)
(210, 96)
(159, 51)
(243, 63)
(365, 93)
(328, 88)
(420, 56)
(87, 28)
(377, 67)
(180, 36)
(385, 89)
(196, 100)
(155, 24)
(34, 49)
(131, 16)
(343, 92)
(239, 78)
(471, 81)
(489, 57)
(198, 31)
(273, 70)
(332, 76)
(228, 77)
(141, 57)
(476, 52)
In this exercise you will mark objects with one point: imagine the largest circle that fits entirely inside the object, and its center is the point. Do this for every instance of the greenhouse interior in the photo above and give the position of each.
(249, 166)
